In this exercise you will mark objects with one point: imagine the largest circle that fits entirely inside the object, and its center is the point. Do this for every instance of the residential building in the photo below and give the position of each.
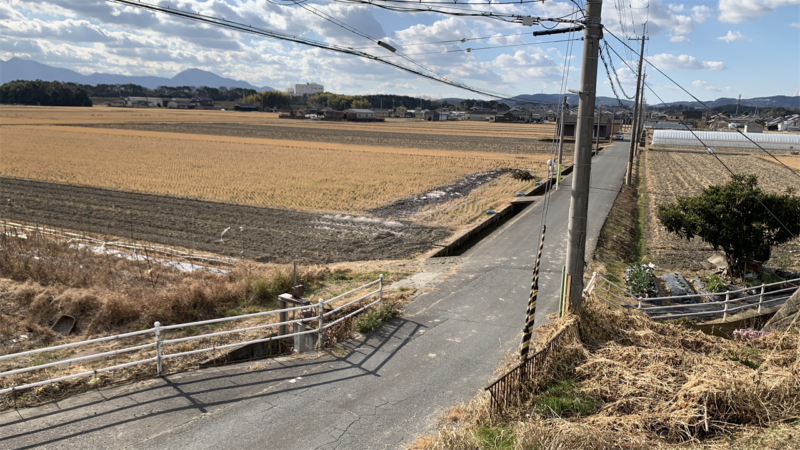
(147, 102)
(753, 127)
(360, 114)
(305, 89)
(181, 103)
(246, 107)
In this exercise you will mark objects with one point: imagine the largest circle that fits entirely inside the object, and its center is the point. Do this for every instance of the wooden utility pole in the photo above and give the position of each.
(579, 202)
(635, 124)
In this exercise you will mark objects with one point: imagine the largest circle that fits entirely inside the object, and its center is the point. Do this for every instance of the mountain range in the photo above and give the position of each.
(23, 69)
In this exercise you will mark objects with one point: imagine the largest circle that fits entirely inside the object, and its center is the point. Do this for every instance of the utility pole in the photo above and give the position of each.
(635, 124)
(579, 202)
(564, 109)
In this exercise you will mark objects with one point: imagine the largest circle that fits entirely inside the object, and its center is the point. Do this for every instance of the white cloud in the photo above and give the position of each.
(678, 39)
(700, 13)
(666, 61)
(732, 37)
(703, 85)
(736, 11)
(795, 24)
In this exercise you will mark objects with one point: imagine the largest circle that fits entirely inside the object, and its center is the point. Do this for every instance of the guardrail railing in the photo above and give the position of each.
(159, 344)
(756, 297)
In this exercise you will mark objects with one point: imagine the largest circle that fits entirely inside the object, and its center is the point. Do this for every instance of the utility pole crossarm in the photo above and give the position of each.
(579, 202)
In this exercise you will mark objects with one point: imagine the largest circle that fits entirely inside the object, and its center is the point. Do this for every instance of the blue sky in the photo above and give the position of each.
(713, 48)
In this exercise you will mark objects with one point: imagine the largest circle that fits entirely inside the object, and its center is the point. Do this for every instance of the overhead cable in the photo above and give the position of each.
(221, 22)
(702, 103)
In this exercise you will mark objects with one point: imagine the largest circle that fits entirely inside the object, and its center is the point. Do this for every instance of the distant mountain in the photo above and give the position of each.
(762, 102)
(23, 69)
(572, 99)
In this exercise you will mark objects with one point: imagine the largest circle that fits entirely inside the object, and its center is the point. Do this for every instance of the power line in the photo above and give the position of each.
(711, 151)
(702, 103)
(468, 50)
(298, 40)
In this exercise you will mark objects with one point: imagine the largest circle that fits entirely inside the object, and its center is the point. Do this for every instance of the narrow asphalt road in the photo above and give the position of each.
(382, 393)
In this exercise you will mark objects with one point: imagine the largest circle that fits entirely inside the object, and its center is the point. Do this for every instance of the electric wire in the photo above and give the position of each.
(614, 69)
(468, 50)
(702, 103)
(299, 40)
(711, 151)
(417, 7)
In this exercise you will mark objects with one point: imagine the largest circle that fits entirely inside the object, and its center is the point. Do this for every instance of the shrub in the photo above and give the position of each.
(641, 281)
(714, 283)
(372, 318)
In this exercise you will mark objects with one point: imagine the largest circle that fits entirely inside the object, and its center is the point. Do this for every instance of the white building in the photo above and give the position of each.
(307, 88)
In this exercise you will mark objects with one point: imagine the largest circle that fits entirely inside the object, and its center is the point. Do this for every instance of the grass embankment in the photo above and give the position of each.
(622, 238)
(44, 278)
(622, 381)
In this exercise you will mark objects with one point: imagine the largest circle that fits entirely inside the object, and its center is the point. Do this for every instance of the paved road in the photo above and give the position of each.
(380, 394)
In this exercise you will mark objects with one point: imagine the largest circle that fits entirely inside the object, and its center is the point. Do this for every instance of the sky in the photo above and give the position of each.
(714, 49)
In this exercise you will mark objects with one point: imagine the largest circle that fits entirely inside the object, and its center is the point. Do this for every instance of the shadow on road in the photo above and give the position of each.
(234, 384)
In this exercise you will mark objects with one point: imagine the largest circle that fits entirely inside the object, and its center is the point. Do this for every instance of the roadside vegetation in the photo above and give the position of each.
(618, 380)
(43, 278)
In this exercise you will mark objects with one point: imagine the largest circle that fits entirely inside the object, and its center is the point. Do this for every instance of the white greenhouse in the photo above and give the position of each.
(726, 139)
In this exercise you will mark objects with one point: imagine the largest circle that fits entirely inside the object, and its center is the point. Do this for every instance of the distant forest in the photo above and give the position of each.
(221, 93)
(44, 93)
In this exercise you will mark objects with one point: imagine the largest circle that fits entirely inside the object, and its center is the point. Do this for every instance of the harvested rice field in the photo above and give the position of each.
(669, 175)
(182, 177)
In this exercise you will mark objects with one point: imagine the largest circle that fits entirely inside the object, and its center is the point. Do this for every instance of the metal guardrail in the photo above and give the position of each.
(158, 344)
(754, 297)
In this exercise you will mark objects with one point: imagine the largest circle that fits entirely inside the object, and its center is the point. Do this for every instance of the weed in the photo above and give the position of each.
(563, 399)
(714, 283)
(498, 438)
(744, 361)
(640, 280)
(190, 331)
(372, 318)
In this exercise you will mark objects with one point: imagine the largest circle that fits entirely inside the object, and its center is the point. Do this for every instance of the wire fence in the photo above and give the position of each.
(159, 349)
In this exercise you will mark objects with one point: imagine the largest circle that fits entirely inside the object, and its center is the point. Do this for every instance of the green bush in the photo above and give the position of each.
(373, 318)
(641, 281)
(714, 283)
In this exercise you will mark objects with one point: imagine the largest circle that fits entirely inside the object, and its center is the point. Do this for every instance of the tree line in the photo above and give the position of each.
(44, 93)
(222, 93)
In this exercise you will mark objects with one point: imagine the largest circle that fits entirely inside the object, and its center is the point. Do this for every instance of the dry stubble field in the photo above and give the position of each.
(311, 170)
(672, 174)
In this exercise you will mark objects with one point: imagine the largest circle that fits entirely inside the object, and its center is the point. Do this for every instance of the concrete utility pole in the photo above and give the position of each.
(579, 203)
(635, 124)
(564, 109)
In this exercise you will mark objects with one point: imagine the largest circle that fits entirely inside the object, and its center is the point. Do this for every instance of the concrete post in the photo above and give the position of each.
(158, 348)
(579, 203)
(283, 317)
(320, 321)
(560, 165)
(760, 298)
(380, 289)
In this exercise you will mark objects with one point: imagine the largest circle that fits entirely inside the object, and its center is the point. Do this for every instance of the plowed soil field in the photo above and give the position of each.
(669, 175)
(262, 234)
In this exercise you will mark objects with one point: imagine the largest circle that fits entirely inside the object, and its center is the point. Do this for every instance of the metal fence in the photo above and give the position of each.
(516, 385)
(159, 344)
(756, 297)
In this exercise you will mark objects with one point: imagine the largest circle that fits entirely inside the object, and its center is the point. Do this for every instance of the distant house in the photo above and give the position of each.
(382, 112)
(203, 101)
(481, 115)
(440, 115)
(753, 127)
(603, 123)
(144, 102)
(506, 117)
(334, 115)
(360, 114)
(181, 103)
(246, 107)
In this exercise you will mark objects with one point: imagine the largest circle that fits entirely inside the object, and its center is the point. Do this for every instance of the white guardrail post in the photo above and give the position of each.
(761, 298)
(380, 289)
(158, 347)
(320, 319)
(725, 311)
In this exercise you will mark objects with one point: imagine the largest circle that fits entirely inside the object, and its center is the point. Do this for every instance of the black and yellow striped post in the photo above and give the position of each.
(530, 315)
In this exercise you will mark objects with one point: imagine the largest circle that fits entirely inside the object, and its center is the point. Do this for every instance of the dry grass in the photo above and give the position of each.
(466, 210)
(653, 385)
(287, 174)
(44, 278)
